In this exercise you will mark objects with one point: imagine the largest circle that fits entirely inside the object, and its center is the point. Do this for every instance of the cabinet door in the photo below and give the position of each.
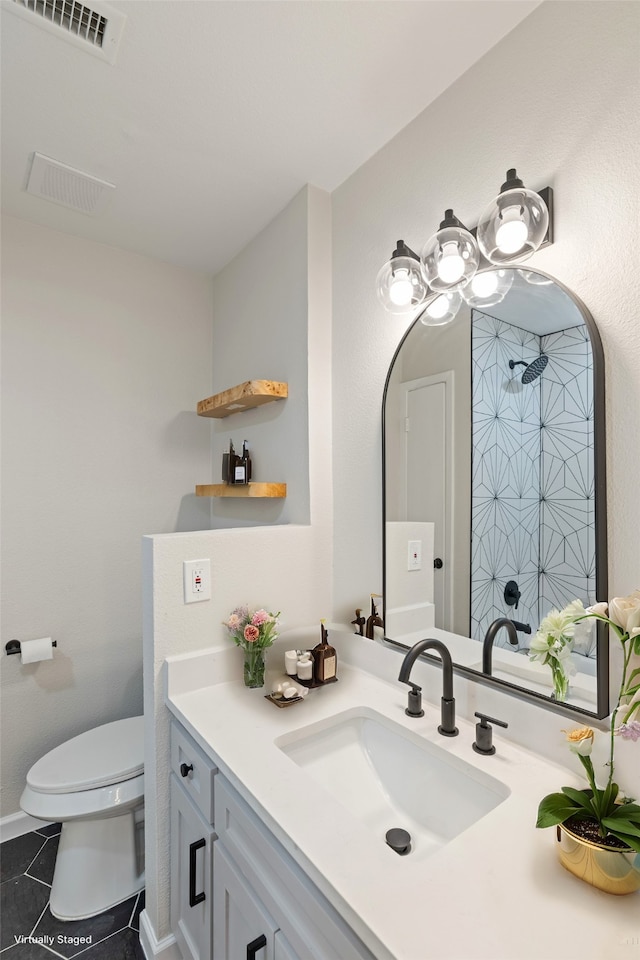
(191, 876)
(284, 950)
(241, 925)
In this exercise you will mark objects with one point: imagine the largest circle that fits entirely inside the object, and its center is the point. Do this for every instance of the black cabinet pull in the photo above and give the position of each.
(185, 770)
(255, 945)
(194, 898)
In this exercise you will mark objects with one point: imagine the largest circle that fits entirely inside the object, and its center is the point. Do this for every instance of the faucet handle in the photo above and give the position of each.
(414, 705)
(484, 733)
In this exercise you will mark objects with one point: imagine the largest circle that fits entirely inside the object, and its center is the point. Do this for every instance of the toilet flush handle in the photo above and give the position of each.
(185, 770)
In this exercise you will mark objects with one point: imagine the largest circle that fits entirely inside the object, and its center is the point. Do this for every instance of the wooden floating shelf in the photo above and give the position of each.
(252, 393)
(250, 489)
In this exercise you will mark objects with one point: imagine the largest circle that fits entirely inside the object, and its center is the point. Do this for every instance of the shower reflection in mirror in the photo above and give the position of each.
(493, 462)
(532, 487)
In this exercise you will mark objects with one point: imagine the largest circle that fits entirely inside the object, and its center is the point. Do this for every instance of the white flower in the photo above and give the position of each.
(598, 609)
(625, 611)
(560, 624)
(580, 740)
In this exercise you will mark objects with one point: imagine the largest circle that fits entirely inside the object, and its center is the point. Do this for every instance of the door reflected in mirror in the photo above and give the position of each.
(494, 482)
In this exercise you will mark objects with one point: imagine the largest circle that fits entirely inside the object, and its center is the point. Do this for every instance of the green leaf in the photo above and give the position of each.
(626, 811)
(580, 798)
(636, 645)
(630, 840)
(621, 826)
(555, 808)
(608, 799)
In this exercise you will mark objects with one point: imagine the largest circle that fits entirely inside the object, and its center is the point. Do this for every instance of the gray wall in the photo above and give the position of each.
(104, 357)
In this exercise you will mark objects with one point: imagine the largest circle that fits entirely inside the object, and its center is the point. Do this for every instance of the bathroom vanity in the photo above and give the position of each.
(281, 825)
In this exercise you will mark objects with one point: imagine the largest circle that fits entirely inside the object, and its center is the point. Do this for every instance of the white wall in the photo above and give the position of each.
(260, 333)
(280, 567)
(105, 355)
(558, 99)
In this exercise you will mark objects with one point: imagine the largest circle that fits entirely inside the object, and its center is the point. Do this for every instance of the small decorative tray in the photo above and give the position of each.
(281, 701)
(311, 684)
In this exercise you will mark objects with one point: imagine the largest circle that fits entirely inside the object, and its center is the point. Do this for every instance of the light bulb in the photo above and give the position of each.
(439, 307)
(484, 284)
(400, 284)
(514, 224)
(442, 309)
(512, 232)
(450, 256)
(401, 288)
(451, 266)
(487, 288)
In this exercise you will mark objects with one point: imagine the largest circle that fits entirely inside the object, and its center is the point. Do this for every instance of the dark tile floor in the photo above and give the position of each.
(26, 871)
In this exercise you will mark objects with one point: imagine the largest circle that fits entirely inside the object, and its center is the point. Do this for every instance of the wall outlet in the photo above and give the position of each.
(414, 555)
(197, 580)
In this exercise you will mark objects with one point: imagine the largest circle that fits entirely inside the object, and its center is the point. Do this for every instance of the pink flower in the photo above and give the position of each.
(629, 731)
(251, 633)
(234, 621)
(260, 617)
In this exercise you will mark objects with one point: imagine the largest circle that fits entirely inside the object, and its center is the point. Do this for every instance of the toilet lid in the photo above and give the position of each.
(102, 756)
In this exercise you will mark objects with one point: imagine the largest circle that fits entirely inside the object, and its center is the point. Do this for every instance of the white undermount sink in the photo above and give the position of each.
(386, 777)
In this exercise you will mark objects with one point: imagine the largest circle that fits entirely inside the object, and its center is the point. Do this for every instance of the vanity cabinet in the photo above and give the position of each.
(298, 921)
(258, 903)
(192, 836)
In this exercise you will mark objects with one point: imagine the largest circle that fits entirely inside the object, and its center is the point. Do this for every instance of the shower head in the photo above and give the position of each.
(532, 370)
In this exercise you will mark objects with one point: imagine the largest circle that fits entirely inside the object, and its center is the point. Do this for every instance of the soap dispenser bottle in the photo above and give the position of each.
(246, 459)
(229, 464)
(240, 466)
(325, 660)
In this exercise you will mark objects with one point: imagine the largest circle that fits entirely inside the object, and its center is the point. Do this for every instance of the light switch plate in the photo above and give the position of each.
(197, 580)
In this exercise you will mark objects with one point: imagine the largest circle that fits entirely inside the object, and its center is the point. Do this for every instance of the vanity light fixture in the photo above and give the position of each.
(401, 285)
(451, 256)
(514, 225)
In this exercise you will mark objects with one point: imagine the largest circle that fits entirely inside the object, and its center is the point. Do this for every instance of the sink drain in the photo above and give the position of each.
(399, 840)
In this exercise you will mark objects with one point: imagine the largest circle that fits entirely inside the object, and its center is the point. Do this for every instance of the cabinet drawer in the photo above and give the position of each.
(193, 769)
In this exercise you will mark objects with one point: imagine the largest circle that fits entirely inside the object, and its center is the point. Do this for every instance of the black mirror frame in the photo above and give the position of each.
(600, 513)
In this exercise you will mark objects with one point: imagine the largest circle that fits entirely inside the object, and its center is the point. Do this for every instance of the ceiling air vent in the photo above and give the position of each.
(55, 181)
(96, 29)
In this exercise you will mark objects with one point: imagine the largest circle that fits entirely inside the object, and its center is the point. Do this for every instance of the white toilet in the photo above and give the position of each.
(94, 785)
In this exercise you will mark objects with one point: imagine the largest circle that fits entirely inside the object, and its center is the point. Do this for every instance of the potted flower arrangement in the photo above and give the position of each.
(598, 831)
(253, 631)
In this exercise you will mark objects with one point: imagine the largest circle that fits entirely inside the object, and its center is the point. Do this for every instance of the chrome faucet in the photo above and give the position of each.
(447, 704)
(492, 631)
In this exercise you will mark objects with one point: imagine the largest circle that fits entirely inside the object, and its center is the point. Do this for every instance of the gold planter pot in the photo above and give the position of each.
(610, 869)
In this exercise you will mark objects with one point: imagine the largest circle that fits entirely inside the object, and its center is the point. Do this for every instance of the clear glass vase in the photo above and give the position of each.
(253, 667)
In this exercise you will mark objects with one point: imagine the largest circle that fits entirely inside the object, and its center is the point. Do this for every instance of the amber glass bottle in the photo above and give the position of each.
(325, 660)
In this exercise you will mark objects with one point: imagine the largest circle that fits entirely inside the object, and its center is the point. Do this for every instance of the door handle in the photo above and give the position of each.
(438, 564)
(195, 898)
(255, 945)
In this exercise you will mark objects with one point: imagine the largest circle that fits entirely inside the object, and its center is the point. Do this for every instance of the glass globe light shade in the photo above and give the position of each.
(514, 224)
(450, 256)
(487, 288)
(537, 279)
(442, 309)
(400, 285)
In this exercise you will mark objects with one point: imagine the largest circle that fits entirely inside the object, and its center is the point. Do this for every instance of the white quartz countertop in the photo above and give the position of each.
(495, 892)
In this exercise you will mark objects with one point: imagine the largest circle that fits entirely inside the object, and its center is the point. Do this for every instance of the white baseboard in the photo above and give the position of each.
(17, 824)
(165, 949)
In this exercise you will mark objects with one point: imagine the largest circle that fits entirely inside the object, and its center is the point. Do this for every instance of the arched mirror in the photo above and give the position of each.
(494, 484)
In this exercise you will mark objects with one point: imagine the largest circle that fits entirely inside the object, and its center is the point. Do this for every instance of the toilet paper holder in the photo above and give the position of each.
(13, 646)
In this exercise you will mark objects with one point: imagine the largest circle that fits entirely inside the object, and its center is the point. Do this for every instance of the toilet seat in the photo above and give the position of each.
(110, 754)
